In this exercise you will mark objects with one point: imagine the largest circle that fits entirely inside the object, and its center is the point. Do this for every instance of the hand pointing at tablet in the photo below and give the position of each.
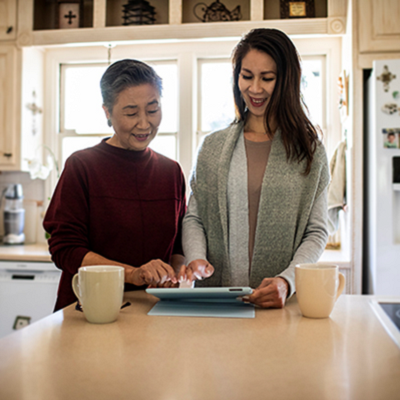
(196, 270)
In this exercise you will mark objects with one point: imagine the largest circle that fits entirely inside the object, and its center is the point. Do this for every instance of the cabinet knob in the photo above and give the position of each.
(9, 29)
(8, 155)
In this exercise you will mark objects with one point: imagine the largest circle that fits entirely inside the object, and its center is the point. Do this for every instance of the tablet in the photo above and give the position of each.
(211, 294)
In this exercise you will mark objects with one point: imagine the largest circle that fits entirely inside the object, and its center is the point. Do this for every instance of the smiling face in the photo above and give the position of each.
(135, 117)
(257, 79)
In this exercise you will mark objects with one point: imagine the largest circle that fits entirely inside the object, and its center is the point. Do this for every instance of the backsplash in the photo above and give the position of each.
(33, 191)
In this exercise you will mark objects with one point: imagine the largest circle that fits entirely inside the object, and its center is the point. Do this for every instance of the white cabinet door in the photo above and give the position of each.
(9, 98)
(21, 103)
(28, 292)
(8, 18)
(379, 27)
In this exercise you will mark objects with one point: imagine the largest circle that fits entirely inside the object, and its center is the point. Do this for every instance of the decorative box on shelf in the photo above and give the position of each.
(69, 14)
(297, 9)
(216, 12)
(138, 12)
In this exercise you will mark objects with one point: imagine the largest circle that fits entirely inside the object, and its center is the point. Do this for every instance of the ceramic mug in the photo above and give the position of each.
(318, 286)
(100, 290)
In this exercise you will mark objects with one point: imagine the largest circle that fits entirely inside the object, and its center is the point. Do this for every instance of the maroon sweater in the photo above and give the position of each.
(125, 205)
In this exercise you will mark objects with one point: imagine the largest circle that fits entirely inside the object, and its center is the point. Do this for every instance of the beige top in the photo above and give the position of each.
(27, 252)
(257, 154)
(277, 355)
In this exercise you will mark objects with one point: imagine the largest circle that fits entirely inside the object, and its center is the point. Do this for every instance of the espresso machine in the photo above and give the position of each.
(14, 215)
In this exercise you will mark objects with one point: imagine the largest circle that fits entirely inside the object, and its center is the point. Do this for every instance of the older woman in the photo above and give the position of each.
(119, 202)
(259, 187)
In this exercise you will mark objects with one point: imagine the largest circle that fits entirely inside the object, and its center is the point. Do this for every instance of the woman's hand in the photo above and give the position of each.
(196, 270)
(272, 293)
(155, 272)
(164, 285)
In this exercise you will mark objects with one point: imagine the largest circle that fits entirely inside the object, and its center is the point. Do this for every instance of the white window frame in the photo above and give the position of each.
(187, 53)
(331, 49)
(321, 58)
(63, 133)
(199, 132)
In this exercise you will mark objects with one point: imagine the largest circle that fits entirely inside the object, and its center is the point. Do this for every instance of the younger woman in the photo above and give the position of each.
(258, 202)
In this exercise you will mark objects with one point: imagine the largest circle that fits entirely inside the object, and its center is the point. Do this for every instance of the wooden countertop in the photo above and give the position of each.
(26, 252)
(277, 355)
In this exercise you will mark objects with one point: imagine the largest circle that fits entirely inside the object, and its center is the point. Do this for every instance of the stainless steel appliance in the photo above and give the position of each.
(14, 215)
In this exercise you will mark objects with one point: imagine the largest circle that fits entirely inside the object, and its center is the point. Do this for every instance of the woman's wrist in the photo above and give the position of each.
(176, 262)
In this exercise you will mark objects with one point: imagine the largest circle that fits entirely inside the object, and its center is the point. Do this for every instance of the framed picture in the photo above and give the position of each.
(297, 9)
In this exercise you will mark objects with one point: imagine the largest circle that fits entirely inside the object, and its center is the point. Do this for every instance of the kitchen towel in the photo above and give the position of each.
(337, 187)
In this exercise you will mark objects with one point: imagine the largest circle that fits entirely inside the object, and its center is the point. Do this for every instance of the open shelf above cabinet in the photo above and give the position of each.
(46, 14)
(184, 31)
(102, 20)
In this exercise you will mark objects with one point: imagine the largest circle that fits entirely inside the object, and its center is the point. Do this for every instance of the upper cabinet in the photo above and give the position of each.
(8, 19)
(118, 20)
(9, 98)
(21, 103)
(379, 27)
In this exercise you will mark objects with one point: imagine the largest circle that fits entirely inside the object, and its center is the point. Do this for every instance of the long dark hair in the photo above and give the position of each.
(286, 106)
(124, 74)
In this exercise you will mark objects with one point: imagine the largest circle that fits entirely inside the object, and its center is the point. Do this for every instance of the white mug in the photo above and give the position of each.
(100, 290)
(318, 286)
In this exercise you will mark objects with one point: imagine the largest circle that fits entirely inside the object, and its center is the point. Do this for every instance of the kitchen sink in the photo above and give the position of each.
(387, 309)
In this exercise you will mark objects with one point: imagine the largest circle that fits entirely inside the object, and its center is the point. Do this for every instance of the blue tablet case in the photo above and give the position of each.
(202, 302)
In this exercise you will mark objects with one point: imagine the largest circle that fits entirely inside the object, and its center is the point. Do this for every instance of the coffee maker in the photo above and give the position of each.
(14, 215)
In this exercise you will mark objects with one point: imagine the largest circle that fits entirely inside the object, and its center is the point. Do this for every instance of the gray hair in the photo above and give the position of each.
(124, 74)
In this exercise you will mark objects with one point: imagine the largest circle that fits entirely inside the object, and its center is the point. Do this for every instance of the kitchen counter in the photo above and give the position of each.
(277, 355)
(26, 252)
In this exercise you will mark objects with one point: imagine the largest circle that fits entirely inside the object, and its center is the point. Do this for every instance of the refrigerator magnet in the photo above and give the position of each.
(390, 108)
(391, 138)
(386, 77)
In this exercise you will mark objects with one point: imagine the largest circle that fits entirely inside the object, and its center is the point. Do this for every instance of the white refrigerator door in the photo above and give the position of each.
(384, 198)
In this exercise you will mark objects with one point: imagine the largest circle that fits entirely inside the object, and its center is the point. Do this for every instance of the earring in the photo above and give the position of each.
(109, 123)
(244, 103)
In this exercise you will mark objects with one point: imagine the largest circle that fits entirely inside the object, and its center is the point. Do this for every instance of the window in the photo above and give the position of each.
(197, 96)
(83, 122)
(313, 88)
(216, 98)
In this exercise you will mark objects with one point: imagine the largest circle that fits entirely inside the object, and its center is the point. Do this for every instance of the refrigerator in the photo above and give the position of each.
(381, 215)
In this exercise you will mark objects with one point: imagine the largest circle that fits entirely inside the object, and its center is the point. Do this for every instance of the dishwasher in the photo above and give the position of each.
(28, 293)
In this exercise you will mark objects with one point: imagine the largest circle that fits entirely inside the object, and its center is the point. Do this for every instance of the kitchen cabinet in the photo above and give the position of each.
(9, 98)
(8, 19)
(28, 292)
(28, 285)
(21, 82)
(378, 27)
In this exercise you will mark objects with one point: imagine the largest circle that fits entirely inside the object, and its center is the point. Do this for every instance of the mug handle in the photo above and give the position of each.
(75, 286)
(342, 281)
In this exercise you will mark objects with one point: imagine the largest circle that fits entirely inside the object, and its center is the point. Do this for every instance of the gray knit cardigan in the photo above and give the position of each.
(287, 197)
